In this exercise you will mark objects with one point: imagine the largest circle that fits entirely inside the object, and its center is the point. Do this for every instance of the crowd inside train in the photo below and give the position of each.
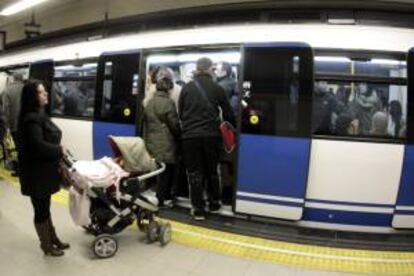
(367, 111)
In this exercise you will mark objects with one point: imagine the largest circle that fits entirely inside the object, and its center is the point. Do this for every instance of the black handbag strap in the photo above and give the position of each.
(204, 95)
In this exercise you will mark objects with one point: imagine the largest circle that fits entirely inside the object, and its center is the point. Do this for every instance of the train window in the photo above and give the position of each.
(118, 87)
(73, 90)
(272, 100)
(326, 65)
(359, 109)
(23, 71)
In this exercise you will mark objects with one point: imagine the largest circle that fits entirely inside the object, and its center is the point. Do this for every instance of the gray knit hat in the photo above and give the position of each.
(204, 64)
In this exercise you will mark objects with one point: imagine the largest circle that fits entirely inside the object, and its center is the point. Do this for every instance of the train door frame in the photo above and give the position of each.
(290, 210)
(125, 123)
(403, 217)
(204, 48)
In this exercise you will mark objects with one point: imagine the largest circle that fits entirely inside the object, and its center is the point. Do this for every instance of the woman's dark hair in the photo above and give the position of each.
(153, 74)
(29, 101)
(227, 68)
(342, 124)
(164, 79)
(396, 115)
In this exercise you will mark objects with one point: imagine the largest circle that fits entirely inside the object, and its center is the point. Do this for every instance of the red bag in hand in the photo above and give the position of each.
(228, 135)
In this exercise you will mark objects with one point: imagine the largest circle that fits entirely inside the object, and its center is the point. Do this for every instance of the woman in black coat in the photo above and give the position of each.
(39, 153)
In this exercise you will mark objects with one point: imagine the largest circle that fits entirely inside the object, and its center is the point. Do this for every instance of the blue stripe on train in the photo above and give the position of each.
(270, 201)
(347, 217)
(101, 130)
(405, 212)
(406, 191)
(360, 204)
(271, 165)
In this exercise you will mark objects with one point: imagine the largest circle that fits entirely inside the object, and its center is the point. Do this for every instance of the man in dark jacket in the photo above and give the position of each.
(199, 105)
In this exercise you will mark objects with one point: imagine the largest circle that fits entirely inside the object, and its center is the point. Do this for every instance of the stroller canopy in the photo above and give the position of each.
(134, 154)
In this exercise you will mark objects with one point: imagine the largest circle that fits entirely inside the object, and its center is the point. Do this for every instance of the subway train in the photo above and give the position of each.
(324, 112)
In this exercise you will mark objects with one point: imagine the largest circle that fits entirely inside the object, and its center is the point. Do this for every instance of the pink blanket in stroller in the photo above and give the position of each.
(102, 173)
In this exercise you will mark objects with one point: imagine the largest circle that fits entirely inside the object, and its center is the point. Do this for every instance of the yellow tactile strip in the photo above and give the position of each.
(306, 256)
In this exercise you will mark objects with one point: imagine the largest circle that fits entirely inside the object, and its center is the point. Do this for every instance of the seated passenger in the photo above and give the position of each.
(343, 125)
(367, 103)
(379, 124)
(73, 101)
(396, 124)
(161, 132)
(324, 107)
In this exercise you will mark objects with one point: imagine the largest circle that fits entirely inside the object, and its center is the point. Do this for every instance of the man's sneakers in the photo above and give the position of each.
(214, 208)
(198, 214)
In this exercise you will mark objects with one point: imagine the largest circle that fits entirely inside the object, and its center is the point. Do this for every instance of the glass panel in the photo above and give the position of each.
(73, 98)
(108, 68)
(120, 88)
(332, 65)
(85, 70)
(325, 65)
(270, 101)
(359, 109)
(24, 72)
(381, 68)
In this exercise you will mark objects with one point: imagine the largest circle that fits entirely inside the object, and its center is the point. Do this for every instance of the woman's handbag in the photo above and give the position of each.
(228, 134)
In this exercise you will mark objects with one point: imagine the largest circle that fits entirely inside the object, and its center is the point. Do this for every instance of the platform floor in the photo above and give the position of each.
(20, 255)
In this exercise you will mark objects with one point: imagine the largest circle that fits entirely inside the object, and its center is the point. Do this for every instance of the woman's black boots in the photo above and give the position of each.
(46, 244)
(55, 239)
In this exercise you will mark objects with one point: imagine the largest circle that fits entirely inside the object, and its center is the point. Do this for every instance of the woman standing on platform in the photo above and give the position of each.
(39, 153)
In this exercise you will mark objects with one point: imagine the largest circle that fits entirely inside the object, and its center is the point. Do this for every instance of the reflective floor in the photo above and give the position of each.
(20, 254)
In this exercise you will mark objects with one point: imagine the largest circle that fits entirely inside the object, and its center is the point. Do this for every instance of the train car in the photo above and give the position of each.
(324, 113)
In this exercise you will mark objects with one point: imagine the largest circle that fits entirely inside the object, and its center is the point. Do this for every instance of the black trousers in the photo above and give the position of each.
(166, 183)
(201, 158)
(41, 208)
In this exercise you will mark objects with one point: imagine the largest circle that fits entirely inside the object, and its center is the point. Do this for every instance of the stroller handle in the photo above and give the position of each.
(68, 158)
(160, 170)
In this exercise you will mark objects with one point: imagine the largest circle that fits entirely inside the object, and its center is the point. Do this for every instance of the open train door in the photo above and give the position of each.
(404, 209)
(43, 71)
(275, 138)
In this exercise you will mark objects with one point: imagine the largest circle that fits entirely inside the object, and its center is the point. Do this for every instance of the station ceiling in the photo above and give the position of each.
(56, 15)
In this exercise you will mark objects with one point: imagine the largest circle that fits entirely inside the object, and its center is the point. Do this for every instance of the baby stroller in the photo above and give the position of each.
(108, 195)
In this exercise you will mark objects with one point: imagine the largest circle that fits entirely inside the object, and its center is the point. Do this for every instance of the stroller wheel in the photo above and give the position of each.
(105, 246)
(144, 219)
(153, 231)
(165, 234)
